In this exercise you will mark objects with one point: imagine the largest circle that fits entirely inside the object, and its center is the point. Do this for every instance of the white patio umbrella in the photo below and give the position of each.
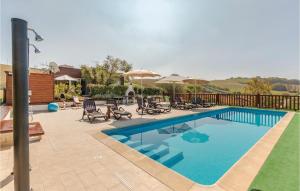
(195, 81)
(66, 78)
(141, 74)
(172, 79)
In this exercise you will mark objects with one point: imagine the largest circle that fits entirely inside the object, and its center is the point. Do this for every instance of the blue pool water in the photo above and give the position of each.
(202, 146)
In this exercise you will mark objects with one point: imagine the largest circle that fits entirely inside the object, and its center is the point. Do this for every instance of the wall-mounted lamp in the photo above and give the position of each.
(36, 50)
(37, 36)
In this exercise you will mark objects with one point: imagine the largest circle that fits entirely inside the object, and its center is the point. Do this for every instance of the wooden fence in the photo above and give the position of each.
(248, 100)
(41, 86)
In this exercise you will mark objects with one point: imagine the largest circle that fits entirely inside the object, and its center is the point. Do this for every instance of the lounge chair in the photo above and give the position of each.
(179, 104)
(76, 102)
(145, 108)
(157, 105)
(199, 101)
(90, 110)
(118, 112)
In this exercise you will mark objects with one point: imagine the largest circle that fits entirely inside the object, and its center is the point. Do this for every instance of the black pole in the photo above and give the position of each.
(20, 104)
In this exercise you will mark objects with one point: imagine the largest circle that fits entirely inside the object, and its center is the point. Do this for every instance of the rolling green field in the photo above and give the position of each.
(280, 172)
(231, 84)
(238, 85)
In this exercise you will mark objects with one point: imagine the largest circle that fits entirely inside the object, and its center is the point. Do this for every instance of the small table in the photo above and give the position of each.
(108, 105)
(118, 99)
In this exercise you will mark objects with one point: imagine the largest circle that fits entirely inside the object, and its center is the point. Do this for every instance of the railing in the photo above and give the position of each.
(248, 100)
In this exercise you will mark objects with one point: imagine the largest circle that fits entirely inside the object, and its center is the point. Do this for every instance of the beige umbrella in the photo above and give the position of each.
(141, 74)
(194, 81)
(172, 79)
(66, 78)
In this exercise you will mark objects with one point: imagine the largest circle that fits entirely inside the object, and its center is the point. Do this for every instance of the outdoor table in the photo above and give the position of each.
(118, 99)
(108, 105)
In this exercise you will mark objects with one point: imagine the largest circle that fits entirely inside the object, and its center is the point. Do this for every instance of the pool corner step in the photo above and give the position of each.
(145, 148)
(132, 143)
(121, 138)
(158, 152)
(171, 158)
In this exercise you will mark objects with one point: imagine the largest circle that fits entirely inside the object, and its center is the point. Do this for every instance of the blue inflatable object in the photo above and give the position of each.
(53, 107)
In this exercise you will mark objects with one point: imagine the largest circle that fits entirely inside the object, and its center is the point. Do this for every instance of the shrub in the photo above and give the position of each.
(148, 91)
(68, 91)
(102, 91)
(116, 90)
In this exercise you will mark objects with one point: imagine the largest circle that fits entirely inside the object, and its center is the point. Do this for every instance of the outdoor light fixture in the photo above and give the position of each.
(37, 36)
(36, 50)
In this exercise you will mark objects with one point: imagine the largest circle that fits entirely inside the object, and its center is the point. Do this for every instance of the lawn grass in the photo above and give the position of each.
(280, 172)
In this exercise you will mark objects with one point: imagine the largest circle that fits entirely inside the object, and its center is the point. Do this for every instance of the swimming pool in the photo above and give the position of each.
(201, 146)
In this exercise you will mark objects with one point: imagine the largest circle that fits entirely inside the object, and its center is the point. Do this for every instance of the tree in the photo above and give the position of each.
(112, 66)
(53, 68)
(88, 74)
(105, 73)
(258, 86)
(124, 66)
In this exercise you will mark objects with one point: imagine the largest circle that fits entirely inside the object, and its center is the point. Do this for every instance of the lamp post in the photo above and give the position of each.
(20, 68)
(20, 104)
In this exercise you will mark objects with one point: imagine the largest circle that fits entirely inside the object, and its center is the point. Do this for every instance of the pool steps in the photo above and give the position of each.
(163, 154)
(133, 143)
(145, 148)
(121, 138)
(171, 158)
(158, 152)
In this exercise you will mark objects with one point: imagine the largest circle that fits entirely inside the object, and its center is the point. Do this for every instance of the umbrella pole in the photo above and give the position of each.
(195, 91)
(142, 97)
(173, 91)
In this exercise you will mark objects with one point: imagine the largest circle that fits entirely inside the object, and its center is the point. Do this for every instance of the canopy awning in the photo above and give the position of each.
(66, 78)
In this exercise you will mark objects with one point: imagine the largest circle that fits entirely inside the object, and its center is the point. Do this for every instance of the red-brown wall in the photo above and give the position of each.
(41, 86)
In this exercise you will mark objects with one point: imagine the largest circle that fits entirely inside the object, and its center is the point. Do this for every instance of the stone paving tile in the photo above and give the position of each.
(70, 158)
(97, 187)
(119, 187)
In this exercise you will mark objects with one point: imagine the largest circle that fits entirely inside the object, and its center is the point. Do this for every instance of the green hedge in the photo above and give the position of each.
(148, 91)
(104, 92)
(116, 90)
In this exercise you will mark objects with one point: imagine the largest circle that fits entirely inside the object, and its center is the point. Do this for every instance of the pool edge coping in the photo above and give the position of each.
(170, 178)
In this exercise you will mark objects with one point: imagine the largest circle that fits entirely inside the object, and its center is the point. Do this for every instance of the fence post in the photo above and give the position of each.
(257, 100)
(217, 98)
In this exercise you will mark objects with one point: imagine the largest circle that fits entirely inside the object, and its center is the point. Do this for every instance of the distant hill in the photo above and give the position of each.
(279, 85)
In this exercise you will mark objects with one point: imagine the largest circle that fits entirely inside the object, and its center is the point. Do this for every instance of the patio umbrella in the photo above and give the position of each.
(172, 79)
(194, 81)
(66, 78)
(141, 74)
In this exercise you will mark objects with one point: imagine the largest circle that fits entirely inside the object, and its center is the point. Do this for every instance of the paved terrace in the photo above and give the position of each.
(69, 158)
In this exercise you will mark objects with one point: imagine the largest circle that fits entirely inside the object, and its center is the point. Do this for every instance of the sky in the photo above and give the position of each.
(209, 39)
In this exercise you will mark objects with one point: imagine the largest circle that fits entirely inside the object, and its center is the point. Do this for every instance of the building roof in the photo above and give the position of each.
(68, 70)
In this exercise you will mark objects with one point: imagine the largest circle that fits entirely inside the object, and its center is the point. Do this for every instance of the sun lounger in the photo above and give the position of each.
(118, 112)
(158, 105)
(203, 103)
(179, 104)
(76, 102)
(90, 110)
(145, 108)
